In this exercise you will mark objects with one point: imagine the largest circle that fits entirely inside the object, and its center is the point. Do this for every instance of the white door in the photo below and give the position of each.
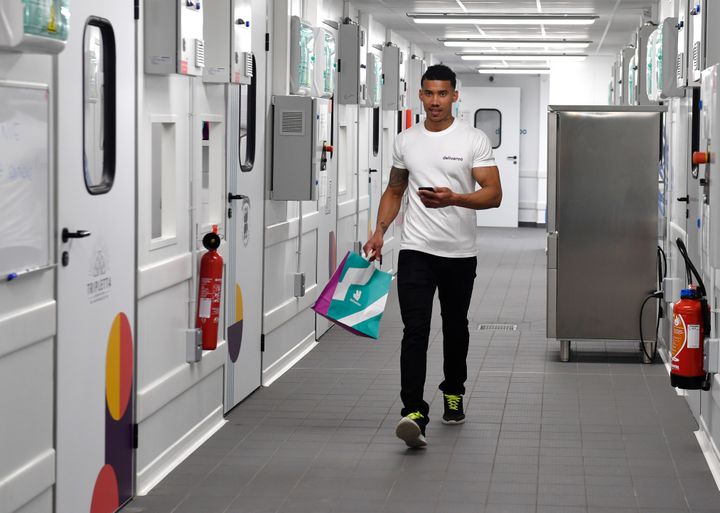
(327, 260)
(96, 244)
(496, 111)
(375, 186)
(390, 123)
(246, 182)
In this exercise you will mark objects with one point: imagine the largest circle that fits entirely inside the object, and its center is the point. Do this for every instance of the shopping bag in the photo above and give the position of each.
(355, 297)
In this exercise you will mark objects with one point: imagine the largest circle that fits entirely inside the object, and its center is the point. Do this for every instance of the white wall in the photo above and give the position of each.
(533, 137)
(581, 83)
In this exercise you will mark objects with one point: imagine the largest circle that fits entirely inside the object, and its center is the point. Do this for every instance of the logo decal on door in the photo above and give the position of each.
(100, 283)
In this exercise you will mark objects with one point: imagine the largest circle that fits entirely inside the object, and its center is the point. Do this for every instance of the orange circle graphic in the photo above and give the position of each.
(119, 367)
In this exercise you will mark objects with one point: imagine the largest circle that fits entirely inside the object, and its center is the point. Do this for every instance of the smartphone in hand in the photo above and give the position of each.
(431, 189)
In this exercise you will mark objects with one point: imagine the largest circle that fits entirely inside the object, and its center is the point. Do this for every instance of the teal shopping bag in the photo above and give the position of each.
(355, 297)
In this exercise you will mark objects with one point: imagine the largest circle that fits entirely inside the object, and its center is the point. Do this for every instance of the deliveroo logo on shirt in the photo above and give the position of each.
(459, 159)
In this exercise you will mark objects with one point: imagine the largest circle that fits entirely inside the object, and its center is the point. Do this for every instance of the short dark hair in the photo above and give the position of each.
(439, 72)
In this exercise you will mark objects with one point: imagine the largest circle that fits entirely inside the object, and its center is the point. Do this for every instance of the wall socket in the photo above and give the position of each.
(299, 280)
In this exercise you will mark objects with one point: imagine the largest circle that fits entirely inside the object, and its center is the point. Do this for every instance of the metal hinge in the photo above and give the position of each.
(267, 41)
(262, 343)
(135, 436)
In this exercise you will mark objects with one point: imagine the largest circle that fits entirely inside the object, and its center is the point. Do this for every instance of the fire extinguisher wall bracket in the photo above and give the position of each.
(193, 345)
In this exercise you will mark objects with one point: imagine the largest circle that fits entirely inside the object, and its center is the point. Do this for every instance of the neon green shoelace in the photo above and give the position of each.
(453, 401)
(416, 415)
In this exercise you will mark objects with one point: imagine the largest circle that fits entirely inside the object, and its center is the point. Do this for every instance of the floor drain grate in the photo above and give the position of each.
(497, 327)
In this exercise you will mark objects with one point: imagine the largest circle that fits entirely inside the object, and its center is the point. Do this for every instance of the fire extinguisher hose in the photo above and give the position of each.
(658, 294)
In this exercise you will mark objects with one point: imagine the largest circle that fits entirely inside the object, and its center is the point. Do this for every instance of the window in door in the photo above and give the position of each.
(490, 122)
(98, 105)
(248, 109)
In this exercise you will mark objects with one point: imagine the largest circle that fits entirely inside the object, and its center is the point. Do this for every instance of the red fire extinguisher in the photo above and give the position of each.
(691, 324)
(208, 307)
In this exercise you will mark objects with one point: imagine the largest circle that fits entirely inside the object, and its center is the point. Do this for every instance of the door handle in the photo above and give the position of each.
(373, 170)
(514, 157)
(684, 199)
(80, 234)
(232, 197)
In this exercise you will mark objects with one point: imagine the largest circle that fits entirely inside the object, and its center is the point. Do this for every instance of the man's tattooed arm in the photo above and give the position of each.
(397, 184)
(398, 178)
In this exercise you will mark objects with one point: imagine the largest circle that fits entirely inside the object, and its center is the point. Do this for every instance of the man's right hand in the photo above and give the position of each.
(374, 246)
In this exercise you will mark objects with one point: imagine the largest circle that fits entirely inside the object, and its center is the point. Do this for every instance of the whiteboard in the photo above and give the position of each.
(24, 177)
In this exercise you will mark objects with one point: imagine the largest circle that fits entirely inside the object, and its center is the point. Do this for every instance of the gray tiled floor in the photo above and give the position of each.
(600, 434)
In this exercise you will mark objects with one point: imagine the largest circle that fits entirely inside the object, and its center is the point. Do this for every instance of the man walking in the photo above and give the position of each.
(438, 162)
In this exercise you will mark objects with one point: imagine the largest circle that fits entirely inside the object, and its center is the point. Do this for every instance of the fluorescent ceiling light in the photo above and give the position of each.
(468, 18)
(516, 43)
(513, 71)
(521, 57)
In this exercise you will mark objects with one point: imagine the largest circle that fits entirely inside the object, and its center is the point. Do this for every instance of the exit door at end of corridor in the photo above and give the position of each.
(496, 111)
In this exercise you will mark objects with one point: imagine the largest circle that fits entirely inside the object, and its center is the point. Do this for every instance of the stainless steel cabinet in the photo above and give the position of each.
(602, 221)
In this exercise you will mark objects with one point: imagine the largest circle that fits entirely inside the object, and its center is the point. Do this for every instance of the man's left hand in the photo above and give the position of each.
(439, 198)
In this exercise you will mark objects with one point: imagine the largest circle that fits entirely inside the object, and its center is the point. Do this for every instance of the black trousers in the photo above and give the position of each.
(419, 274)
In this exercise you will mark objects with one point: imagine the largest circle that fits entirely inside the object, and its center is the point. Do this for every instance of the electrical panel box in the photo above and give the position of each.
(302, 131)
(174, 37)
(374, 79)
(640, 95)
(394, 89)
(325, 63)
(654, 49)
(632, 74)
(228, 42)
(664, 53)
(696, 52)
(704, 36)
(416, 69)
(626, 54)
(242, 68)
(681, 62)
(707, 154)
(38, 26)
(352, 65)
(302, 56)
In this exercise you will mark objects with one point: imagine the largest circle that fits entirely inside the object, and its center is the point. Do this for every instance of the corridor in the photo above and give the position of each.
(600, 434)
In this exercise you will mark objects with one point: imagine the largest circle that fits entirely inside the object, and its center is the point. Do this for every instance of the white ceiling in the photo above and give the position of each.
(617, 21)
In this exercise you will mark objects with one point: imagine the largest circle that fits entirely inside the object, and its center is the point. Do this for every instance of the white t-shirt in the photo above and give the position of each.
(441, 159)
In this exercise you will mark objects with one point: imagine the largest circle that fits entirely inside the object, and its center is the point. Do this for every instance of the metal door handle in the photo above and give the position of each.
(514, 157)
(80, 234)
(373, 170)
(232, 197)
(684, 199)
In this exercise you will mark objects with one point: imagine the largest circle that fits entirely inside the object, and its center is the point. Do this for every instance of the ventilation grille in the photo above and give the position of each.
(696, 56)
(679, 72)
(199, 53)
(496, 327)
(292, 122)
(249, 65)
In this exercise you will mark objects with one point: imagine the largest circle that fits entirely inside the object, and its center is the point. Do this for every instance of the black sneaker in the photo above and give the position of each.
(454, 413)
(411, 429)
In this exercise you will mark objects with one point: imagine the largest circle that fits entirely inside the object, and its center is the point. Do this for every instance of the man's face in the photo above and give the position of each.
(437, 97)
